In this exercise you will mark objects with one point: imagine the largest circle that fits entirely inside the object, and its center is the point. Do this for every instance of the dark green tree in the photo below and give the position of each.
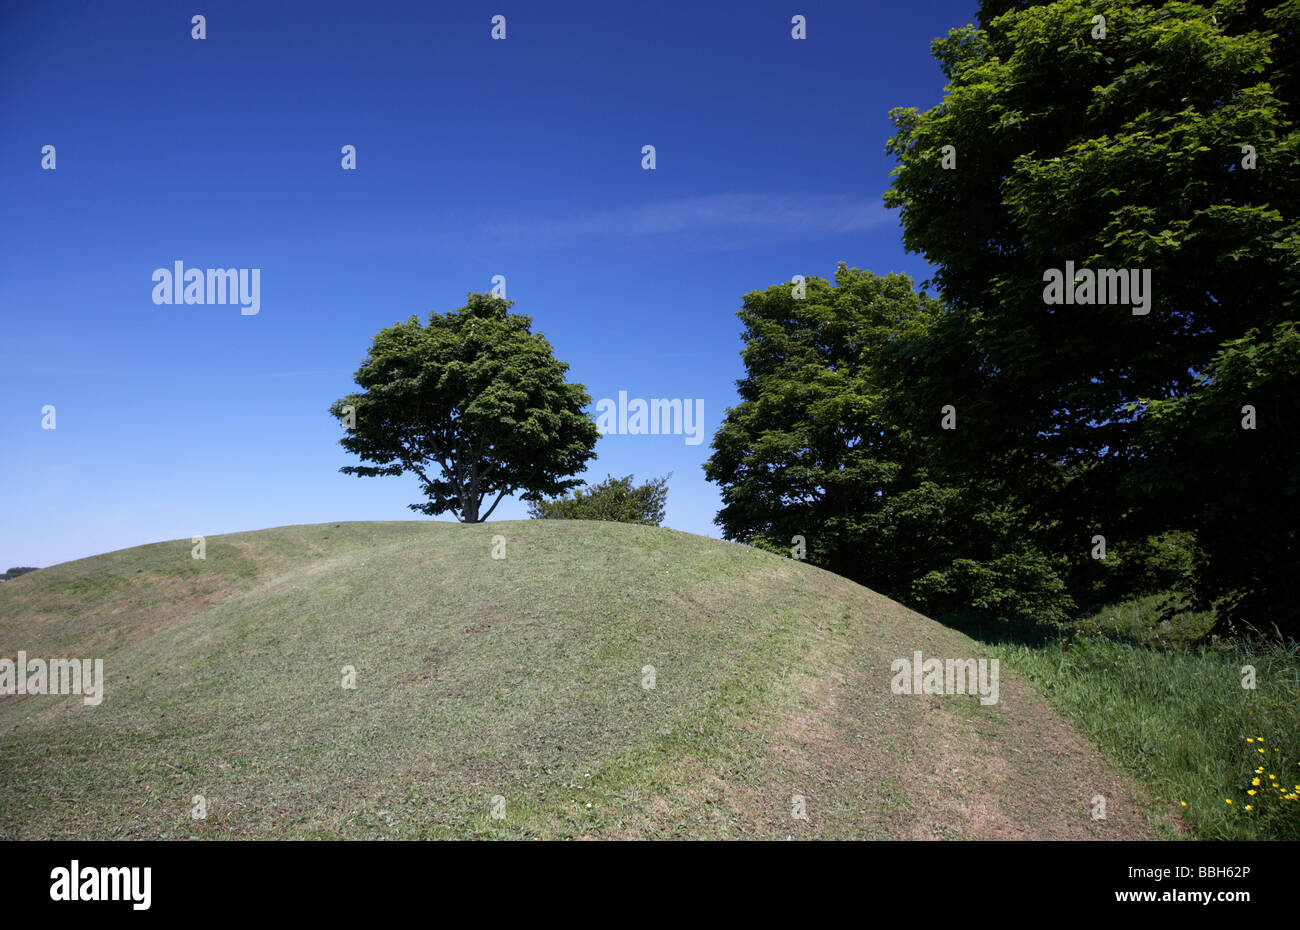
(474, 404)
(614, 499)
(1122, 151)
(1229, 445)
(814, 452)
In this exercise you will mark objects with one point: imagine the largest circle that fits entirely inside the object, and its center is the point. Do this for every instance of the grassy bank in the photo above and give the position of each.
(536, 679)
(1176, 714)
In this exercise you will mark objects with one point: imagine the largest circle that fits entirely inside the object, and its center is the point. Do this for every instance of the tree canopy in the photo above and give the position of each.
(816, 454)
(474, 404)
(1163, 141)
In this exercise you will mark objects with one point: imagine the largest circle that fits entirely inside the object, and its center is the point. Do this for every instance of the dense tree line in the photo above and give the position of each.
(991, 449)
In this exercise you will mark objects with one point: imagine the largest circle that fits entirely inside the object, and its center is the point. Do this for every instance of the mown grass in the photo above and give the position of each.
(518, 680)
(476, 678)
(1174, 711)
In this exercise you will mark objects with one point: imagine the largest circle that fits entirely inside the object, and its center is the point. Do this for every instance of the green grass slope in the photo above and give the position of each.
(518, 679)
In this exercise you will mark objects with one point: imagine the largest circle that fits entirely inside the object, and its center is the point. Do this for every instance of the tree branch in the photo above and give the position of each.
(494, 504)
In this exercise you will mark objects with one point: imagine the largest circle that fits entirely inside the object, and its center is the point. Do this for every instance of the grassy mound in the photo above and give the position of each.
(510, 697)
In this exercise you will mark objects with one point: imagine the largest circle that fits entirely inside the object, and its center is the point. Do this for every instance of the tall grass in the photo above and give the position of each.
(1178, 715)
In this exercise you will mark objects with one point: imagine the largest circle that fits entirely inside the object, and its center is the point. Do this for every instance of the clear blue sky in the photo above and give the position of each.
(474, 158)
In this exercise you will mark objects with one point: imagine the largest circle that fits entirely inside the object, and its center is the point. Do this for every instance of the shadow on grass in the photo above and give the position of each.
(998, 631)
(1155, 621)
(1034, 633)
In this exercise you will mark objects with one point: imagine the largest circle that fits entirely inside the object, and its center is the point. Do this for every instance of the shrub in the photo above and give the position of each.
(614, 499)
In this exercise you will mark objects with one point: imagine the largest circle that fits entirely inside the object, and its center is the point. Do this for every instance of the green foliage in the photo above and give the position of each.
(1115, 152)
(15, 572)
(1018, 583)
(476, 395)
(814, 449)
(614, 499)
(1247, 521)
(806, 452)
(1164, 563)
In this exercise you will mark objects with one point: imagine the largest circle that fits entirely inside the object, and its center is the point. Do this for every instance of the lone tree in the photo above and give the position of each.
(475, 404)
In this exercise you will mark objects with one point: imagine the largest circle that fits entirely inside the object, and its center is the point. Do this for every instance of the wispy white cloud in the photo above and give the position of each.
(714, 220)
